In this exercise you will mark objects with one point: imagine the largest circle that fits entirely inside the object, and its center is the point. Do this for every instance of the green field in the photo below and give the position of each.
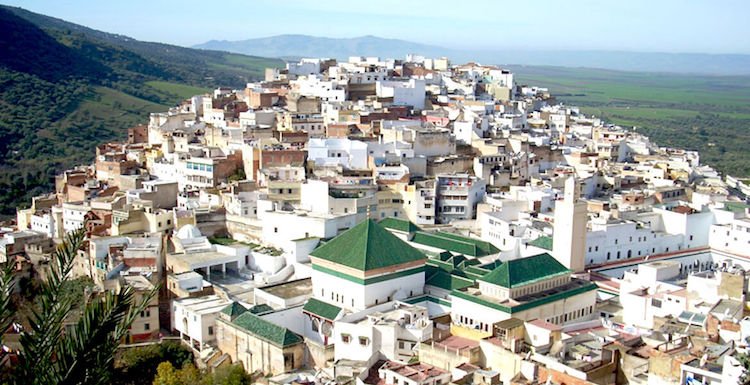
(176, 90)
(710, 114)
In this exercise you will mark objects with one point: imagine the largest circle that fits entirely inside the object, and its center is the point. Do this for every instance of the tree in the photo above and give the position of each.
(231, 375)
(744, 360)
(166, 375)
(84, 353)
(138, 366)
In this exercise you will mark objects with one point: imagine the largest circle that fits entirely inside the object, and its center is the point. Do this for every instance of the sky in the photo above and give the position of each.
(698, 26)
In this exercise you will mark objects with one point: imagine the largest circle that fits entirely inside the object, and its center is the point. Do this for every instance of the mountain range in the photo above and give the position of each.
(295, 46)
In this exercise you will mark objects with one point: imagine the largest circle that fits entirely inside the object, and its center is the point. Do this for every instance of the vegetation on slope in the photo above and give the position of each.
(65, 88)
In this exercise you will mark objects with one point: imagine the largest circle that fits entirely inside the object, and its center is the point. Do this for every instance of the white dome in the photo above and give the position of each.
(189, 232)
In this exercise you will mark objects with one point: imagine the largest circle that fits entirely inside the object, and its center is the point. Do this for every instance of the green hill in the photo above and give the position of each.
(65, 88)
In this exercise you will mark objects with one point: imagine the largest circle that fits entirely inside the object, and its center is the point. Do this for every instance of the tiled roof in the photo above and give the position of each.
(455, 243)
(448, 281)
(522, 271)
(268, 331)
(543, 242)
(399, 224)
(367, 246)
(737, 207)
(234, 309)
(322, 309)
(261, 309)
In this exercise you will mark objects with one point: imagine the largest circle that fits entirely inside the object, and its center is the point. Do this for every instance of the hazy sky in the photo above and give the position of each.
(716, 26)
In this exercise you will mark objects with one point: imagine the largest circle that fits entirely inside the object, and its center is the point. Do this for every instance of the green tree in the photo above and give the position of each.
(81, 354)
(744, 360)
(166, 375)
(137, 366)
(231, 375)
(190, 375)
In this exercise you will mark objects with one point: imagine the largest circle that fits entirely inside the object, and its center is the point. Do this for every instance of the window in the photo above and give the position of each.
(210, 330)
(346, 338)
(275, 229)
(400, 344)
(364, 341)
(146, 326)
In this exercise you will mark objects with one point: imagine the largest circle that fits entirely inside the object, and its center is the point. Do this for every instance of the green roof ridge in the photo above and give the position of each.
(234, 309)
(322, 309)
(455, 243)
(448, 281)
(543, 242)
(522, 271)
(261, 309)
(399, 224)
(268, 331)
(367, 246)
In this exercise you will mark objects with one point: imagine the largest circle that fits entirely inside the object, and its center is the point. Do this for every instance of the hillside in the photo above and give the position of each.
(65, 88)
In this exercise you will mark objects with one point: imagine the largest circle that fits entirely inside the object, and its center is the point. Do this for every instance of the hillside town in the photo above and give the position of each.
(409, 222)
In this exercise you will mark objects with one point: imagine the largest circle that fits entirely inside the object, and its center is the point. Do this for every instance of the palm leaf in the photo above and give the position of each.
(85, 354)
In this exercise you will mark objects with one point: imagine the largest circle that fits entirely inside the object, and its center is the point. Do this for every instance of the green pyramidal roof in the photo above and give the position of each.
(367, 246)
(523, 271)
(399, 224)
(234, 309)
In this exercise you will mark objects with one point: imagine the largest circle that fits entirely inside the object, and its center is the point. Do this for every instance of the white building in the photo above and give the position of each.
(457, 196)
(404, 93)
(195, 319)
(351, 154)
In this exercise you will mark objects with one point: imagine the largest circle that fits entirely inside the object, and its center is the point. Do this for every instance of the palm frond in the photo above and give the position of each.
(84, 354)
(7, 283)
(46, 324)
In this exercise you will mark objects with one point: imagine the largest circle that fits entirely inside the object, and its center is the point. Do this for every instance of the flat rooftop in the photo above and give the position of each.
(290, 289)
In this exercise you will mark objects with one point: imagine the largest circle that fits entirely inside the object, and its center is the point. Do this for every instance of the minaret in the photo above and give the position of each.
(569, 241)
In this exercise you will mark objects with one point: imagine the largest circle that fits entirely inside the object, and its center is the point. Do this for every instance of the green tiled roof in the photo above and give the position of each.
(736, 207)
(542, 242)
(450, 262)
(234, 309)
(268, 331)
(448, 281)
(455, 243)
(322, 309)
(522, 271)
(367, 246)
(399, 225)
(261, 309)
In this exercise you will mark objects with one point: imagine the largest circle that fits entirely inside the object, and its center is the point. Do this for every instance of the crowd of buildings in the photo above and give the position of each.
(410, 222)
